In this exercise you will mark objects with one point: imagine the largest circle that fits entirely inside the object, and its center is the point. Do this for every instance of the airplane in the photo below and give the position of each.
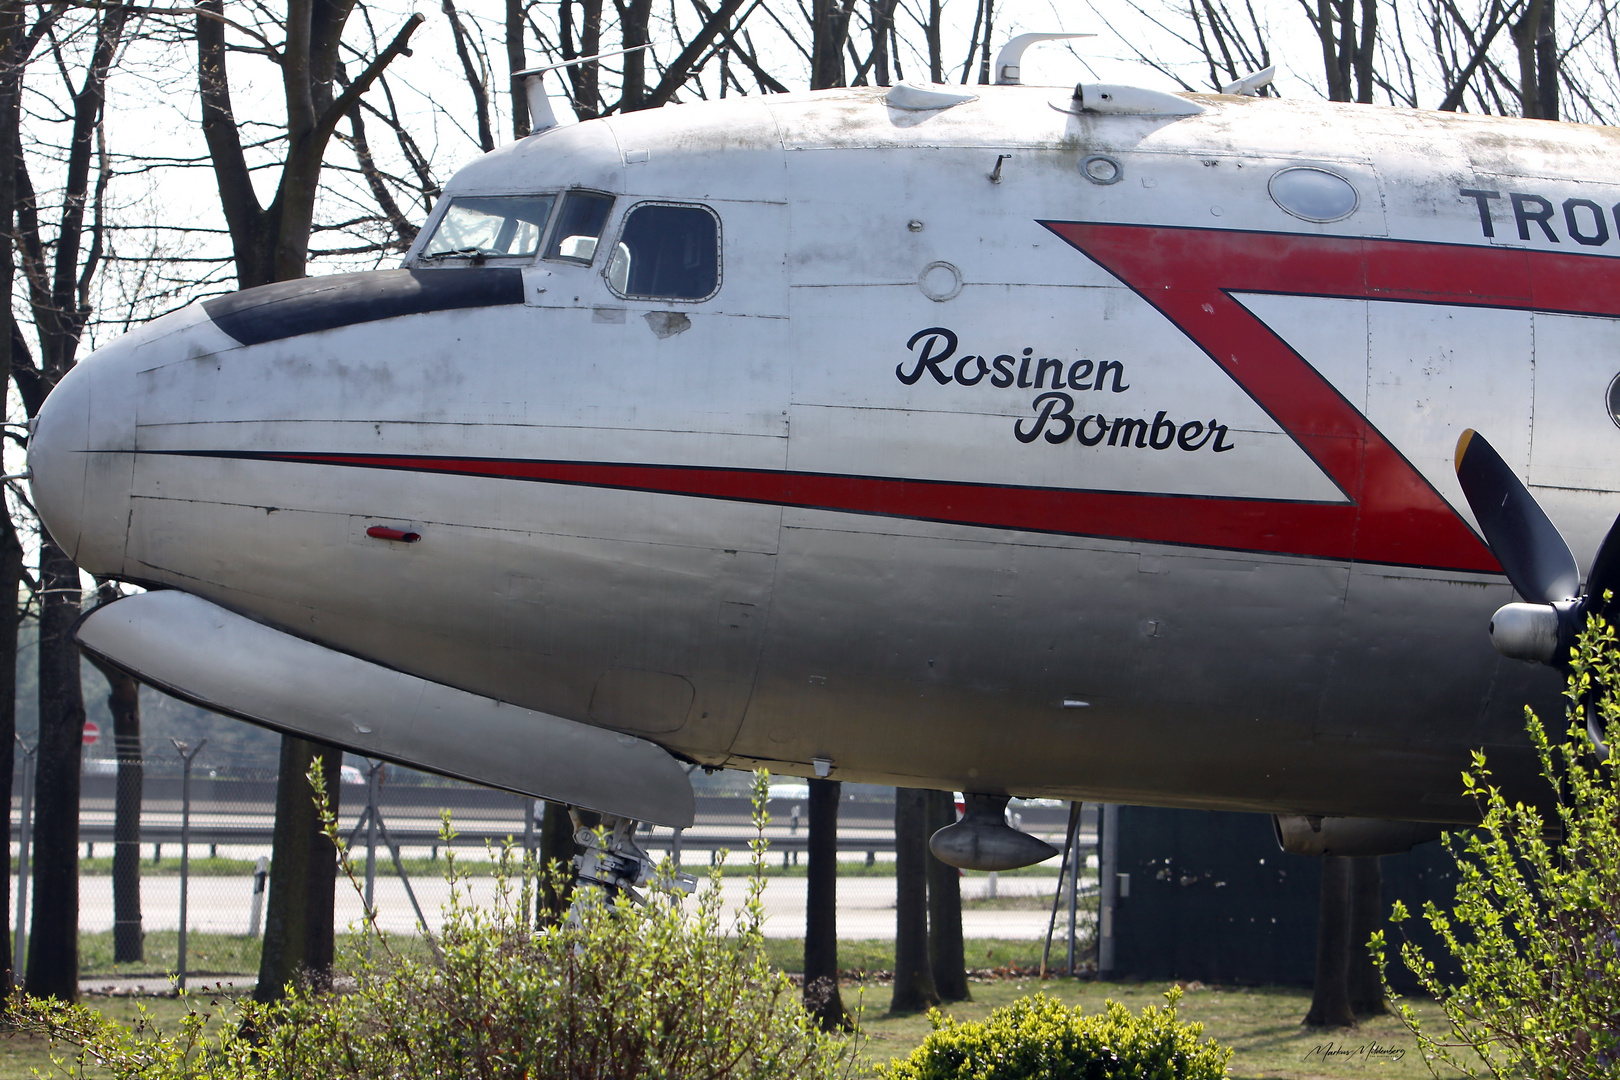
(1096, 443)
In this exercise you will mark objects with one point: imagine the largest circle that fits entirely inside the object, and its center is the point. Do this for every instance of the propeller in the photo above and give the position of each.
(1536, 559)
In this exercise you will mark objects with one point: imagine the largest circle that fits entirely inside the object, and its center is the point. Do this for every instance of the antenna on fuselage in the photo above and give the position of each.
(1251, 85)
(1011, 53)
(541, 114)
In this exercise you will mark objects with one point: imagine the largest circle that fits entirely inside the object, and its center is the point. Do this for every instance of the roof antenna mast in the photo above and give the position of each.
(541, 115)
(1011, 53)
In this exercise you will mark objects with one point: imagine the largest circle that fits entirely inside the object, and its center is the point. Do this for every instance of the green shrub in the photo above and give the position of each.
(626, 991)
(1037, 1038)
(1527, 972)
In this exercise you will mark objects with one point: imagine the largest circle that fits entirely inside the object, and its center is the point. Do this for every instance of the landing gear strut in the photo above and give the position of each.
(613, 861)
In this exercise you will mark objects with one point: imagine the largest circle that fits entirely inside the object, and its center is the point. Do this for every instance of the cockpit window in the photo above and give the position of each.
(579, 226)
(667, 252)
(490, 226)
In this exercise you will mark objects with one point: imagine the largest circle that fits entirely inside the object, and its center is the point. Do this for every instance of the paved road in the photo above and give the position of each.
(865, 904)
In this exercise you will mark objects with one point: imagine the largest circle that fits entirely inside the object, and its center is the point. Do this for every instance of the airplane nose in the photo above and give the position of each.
(82, 460)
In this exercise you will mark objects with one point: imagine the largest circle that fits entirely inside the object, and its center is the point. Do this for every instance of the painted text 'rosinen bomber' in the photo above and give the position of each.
(1053, 412)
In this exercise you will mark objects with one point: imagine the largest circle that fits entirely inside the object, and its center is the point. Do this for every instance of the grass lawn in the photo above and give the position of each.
(1261, 1024)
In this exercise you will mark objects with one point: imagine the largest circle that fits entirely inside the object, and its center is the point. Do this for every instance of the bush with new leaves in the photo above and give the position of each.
(627, 991)
(1038, 1038)
(1530, 981)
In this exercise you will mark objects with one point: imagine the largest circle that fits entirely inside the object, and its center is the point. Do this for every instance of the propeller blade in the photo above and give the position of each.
(1521, 536)
(1605, 572)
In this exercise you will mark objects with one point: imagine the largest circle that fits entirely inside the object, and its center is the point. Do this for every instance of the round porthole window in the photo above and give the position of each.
(1614, 400)
(1314, 194)
(1102, 169)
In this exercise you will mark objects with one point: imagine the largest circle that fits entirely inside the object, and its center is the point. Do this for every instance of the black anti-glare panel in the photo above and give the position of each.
(290, 308)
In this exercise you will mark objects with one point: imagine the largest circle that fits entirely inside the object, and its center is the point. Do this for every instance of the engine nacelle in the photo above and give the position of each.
(1302, 834)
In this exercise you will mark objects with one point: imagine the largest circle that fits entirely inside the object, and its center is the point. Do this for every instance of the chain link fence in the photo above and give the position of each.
(231, 815)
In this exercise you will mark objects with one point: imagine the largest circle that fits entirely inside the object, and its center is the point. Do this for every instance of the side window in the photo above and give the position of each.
(667, 252)
(579, 226)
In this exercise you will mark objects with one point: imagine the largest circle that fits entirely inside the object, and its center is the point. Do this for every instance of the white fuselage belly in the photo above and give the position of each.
(810, 524)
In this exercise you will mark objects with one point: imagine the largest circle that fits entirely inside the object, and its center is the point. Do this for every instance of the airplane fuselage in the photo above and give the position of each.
(1013, 449)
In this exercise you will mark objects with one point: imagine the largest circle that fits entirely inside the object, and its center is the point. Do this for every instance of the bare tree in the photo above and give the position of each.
(476, 72)
(1363, 984)
(1223, 44)
(913, 977)
(20, 36)
(1330, 998)
(829, 37)
(58, 273)
(272, 243)
(946, 955)
(821, 996)
(124, 703)
(515, 62)
(557, 851)
(1537, 46)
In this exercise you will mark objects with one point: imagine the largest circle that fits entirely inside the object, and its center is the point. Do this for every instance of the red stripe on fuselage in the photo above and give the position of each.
(1191, 274)
(1243, 524)
(1394, 516)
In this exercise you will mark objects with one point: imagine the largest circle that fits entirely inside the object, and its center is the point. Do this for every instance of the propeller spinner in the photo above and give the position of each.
(1535, 558)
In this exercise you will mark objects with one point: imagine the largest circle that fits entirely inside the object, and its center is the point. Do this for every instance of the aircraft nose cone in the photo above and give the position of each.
(81, 456)
(56, 456)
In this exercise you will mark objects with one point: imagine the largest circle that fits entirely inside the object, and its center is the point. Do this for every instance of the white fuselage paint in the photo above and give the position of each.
(897, 646)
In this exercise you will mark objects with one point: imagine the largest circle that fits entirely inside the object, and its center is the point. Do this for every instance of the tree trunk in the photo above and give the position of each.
(945, 951)
(913, 978)
(271, 243)
(53, 941)
(1526, 36)
(557, 851)
(515, 62)
(1365, 50)
(11, 568)
(936, 55)
(1330, 1000)
(12, 62)
(880, 20)
(298, 930)
(821, 996)
(125, 704)
(828, 36)
(586, 78)
(1547, 62)
(1337, 81)
(1365, 988)
(633, 32)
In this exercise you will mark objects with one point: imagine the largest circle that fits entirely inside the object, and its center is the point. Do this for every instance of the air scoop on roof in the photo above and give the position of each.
(924, 99)
(290, 308)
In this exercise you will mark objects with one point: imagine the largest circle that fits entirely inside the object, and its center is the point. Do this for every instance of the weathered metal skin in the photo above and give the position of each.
(1136, 489)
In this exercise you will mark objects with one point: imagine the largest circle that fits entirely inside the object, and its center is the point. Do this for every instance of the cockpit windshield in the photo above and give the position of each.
(490, 227)
(579, 226)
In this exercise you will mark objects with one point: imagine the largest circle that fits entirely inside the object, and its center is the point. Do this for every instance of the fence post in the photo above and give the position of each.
(1074, 881)
(1108, 886)
(186, 757)
(371, 834)
(261, 874)
(25, 835)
